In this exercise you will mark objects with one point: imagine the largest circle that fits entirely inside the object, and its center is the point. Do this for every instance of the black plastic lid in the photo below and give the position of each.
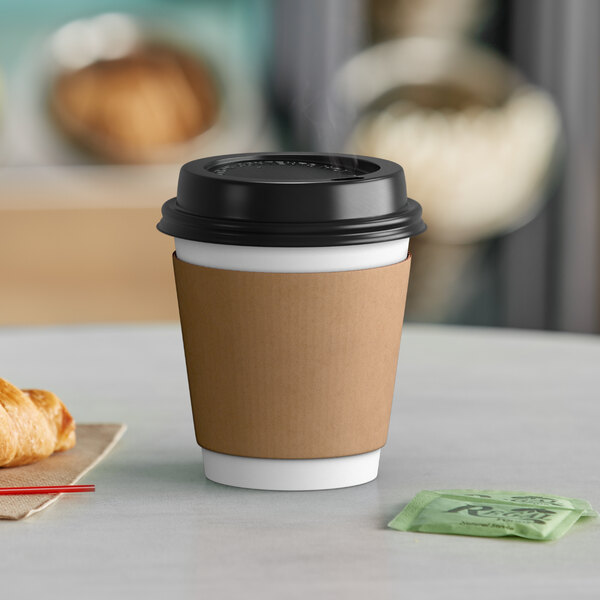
(291, 199)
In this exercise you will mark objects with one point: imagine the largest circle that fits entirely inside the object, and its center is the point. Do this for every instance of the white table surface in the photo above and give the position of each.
(477, 408)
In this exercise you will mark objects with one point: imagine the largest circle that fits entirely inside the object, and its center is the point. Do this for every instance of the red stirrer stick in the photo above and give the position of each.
(46, 489)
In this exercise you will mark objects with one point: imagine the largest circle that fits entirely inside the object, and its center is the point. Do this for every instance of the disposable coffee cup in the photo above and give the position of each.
(291, 272)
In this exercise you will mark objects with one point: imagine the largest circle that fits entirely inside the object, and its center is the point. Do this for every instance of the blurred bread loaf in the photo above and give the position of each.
(33, 425)
(133, 108)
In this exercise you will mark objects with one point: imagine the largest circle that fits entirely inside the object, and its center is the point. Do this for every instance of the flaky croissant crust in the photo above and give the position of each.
(33, 425)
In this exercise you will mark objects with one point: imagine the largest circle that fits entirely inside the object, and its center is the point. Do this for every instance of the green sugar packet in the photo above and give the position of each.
(490, 513)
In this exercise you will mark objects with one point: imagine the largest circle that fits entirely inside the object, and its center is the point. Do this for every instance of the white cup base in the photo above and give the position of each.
(290, 474)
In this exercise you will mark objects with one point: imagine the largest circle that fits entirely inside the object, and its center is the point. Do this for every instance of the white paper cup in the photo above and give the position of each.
(291, 213)
(291, 474)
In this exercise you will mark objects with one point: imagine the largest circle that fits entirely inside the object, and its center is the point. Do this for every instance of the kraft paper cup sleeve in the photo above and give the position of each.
(291, 365)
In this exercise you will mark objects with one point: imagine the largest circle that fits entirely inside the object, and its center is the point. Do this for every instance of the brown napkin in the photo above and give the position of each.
(94, 442)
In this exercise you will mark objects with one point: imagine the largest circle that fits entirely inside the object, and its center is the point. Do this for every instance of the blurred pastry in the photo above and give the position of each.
(33, 425)
(476, 141)
(137, 107)
(489, 162)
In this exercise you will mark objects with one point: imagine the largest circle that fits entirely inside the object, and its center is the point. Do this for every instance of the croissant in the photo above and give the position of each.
(33, 425)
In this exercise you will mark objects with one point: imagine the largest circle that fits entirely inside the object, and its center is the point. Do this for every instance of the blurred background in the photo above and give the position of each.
(491, 106)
